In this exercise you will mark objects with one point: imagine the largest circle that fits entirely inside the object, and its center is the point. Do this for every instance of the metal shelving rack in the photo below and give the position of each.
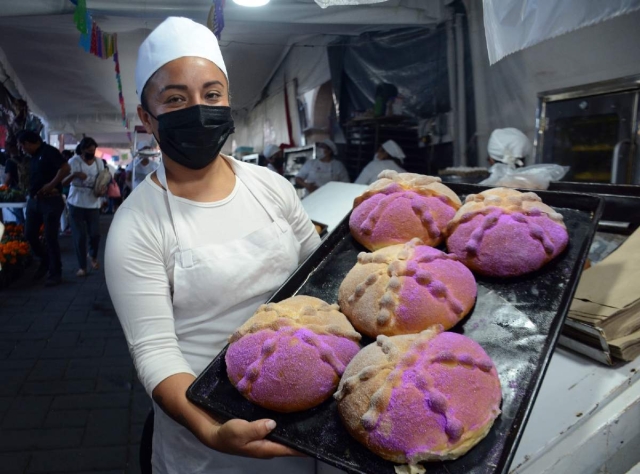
(365, 136)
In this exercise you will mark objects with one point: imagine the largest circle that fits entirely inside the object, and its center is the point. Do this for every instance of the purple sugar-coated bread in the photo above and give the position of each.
(405, 289)
(402, 206)
(420, 397)
(505, 233)
(290, 355)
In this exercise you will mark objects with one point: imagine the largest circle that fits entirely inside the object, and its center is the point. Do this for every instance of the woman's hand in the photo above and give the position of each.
(80, 175)
(239, 437)
(244, 438)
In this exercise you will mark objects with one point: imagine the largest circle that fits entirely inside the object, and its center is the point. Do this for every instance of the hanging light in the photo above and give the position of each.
(251, 3)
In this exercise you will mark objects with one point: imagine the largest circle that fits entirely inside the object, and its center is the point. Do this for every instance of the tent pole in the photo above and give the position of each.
(453, 100)
(462, 100)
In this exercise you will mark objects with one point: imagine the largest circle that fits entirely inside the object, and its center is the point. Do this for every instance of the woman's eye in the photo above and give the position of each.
(174, 100)
(213, 96)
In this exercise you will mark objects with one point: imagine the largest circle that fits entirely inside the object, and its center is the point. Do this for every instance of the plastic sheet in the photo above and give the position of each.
(528, 177)
(358, 65)
(332, 3)
(512, 25)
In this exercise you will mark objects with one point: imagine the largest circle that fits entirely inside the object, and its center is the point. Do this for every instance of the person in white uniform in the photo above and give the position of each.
(274, 156)
(508, 146)
(388, 157)
(325, 168)
(200, 245)
(141, 166)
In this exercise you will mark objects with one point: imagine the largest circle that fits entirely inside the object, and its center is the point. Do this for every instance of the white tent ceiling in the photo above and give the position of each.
(76, 92)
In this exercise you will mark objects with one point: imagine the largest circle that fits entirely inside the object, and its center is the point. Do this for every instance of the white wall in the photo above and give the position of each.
(266, 122)
(506, 93)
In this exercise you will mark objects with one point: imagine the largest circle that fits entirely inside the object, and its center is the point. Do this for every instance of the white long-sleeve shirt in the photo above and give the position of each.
(140, 258)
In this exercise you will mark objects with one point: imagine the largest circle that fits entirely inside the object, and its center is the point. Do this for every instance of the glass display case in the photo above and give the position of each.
(593, 129)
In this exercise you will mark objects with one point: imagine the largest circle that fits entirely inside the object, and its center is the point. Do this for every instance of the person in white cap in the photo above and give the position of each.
(388, 157)
(274, 158)
(508, 146)
(316, 173)
(191, 255)
(142, 165)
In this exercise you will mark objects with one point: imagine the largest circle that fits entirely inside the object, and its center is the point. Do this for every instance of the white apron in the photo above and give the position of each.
(215, 292)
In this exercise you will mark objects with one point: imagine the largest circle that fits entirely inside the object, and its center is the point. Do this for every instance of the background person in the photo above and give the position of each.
(65, 226)
(316, 173)
(388, 157)
(84, 205)
(15, 174)
(143, 165)
(45, 204)
(508, 146)
(274, 157)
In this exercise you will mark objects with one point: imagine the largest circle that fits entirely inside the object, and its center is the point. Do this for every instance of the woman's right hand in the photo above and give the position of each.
(244, 438)
(239, 437)
(80, 175)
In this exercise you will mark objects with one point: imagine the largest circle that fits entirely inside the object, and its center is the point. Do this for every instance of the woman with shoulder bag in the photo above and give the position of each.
(84, 204)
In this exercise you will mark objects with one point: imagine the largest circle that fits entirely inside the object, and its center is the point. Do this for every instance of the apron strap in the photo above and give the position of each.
(256, 190)
(185, 255)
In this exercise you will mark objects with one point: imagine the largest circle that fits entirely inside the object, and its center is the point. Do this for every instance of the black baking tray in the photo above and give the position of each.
(323, 228)
(621, 201)
(516, 321)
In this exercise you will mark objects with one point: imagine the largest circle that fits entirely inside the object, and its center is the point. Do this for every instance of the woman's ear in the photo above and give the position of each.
(145, 118)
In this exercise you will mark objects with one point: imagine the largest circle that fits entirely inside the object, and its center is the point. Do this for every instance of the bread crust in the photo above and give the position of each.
(504, 233)
(420, 397)
(401, 206)
(290, 355)
(405, 289)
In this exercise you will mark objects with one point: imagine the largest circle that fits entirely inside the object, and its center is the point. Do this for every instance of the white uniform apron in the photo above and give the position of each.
(214, 292)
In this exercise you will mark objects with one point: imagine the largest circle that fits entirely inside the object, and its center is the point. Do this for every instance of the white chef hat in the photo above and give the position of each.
(393, 149)
(270, 150)
(332, 146)
(509, 145)
(175, 38)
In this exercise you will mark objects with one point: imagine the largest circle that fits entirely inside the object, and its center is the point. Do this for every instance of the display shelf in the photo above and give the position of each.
(364, 137)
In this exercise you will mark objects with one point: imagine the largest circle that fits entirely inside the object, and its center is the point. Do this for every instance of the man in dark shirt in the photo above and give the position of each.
(45, 204)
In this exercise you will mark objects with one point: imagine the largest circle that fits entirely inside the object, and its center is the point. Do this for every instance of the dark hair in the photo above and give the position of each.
(86, 142)
(28, 136)
(143, 98)
(67, 154)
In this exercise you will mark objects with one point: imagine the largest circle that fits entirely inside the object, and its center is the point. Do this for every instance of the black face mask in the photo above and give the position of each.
(193, 137)
(89, 156)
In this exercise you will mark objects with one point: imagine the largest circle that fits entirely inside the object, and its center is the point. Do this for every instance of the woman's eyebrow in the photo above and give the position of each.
(212, 83)
(180, 87)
